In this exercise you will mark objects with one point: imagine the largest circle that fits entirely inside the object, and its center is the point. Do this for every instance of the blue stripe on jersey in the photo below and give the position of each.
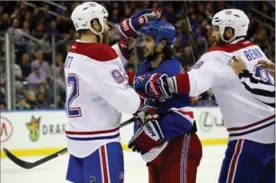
(95, 138)
(250, 131)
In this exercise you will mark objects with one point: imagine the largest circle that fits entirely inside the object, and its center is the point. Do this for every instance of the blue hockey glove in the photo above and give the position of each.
(130, 26)
(153, 86)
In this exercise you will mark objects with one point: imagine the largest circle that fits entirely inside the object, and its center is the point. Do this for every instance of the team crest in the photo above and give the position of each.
(228, 12)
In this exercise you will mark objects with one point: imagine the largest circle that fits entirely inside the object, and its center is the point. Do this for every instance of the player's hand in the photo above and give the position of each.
(153, 86)
(237, 64)
(268, 66)
(130, 26)
(147, 137)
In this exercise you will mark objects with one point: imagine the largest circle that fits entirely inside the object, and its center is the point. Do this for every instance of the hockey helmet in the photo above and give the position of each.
(234, 18)
(85, 12)
(159, 30)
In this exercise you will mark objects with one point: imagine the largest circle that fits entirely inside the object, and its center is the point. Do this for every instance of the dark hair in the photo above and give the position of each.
(168, 52)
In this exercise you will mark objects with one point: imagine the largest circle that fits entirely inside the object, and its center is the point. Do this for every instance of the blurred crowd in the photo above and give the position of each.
(39, 29)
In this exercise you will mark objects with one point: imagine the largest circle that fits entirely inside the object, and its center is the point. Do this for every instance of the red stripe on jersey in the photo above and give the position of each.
(91, 133)
(252, 124)
(189, 113)
(231, 47)
(96, 51)
(183, 83)
(234, 162)
(104, 165)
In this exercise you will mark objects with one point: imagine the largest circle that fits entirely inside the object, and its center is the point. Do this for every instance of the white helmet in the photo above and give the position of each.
(233, 18)
(85, 12)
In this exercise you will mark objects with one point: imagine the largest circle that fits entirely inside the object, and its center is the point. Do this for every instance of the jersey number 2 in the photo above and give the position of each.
(73, 81)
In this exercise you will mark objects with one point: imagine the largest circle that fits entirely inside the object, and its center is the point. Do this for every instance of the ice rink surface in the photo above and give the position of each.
(135, 170)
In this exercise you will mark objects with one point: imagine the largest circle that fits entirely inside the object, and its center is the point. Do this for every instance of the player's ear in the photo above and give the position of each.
(95, 24)
(163, 44)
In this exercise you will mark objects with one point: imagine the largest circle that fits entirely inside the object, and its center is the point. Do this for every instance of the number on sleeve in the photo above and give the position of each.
(263, 74)
(73, 82)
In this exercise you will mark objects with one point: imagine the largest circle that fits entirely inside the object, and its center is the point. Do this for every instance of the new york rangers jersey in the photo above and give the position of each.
(97, 94)
(176, 117)
(244, 116)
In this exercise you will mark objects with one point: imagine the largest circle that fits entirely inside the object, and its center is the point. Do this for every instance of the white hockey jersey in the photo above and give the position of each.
(97, 94)
(244, 116)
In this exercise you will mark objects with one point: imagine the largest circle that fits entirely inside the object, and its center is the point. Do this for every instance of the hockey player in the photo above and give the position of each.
(171, 132)
(97, 94)
(250, 154)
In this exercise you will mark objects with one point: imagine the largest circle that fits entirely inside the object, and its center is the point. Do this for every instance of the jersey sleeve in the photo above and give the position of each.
(110, 83)
(208, 72)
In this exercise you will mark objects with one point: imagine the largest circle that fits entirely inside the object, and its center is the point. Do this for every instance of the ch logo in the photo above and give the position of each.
(92, 179)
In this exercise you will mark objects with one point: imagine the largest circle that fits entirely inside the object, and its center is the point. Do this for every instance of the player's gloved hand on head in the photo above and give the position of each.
(130, 26)
(147, 136)
(153, 86)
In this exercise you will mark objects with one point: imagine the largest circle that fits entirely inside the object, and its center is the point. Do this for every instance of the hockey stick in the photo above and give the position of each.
(28, 165)
(190, 32)
(206, 95)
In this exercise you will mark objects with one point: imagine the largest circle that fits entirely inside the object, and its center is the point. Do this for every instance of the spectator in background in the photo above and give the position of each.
(58, 66)
(18, 77)
(26, 27)
(39, 31)
(17, 37)
(25, 65)
(5, 22)
(187, 56)
(59, 73)
(43, 65)
(2, 100)
(53, 30)
(40, 101)
(22, 104)
(31, 99)
(37, 80)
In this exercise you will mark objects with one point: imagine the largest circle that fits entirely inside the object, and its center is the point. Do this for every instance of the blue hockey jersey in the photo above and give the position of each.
(174, 119)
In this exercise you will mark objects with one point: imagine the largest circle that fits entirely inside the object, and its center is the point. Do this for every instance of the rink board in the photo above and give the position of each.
(38, 133)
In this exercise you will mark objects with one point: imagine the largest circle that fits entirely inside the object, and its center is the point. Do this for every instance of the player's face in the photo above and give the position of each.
(216, 34)
(148, 45)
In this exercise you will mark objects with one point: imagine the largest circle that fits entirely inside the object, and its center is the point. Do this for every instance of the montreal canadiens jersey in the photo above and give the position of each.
(244, 116)
(97, 94)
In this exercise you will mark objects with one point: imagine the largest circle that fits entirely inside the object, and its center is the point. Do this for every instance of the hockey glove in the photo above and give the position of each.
(147, 137)
(130, 26)
(153, 86)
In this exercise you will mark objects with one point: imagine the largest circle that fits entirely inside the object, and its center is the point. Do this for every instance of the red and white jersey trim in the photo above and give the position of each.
(93, 135)
(186, 112)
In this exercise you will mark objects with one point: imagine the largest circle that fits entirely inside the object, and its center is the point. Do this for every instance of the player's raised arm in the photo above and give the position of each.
(129, 28)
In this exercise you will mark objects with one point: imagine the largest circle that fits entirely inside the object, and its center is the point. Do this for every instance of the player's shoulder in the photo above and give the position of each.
(171, 61)
(170, 66)
(95, 51)
(229, 48)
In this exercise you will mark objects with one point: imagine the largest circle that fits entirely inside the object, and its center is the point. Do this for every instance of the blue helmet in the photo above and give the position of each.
(160, 30)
